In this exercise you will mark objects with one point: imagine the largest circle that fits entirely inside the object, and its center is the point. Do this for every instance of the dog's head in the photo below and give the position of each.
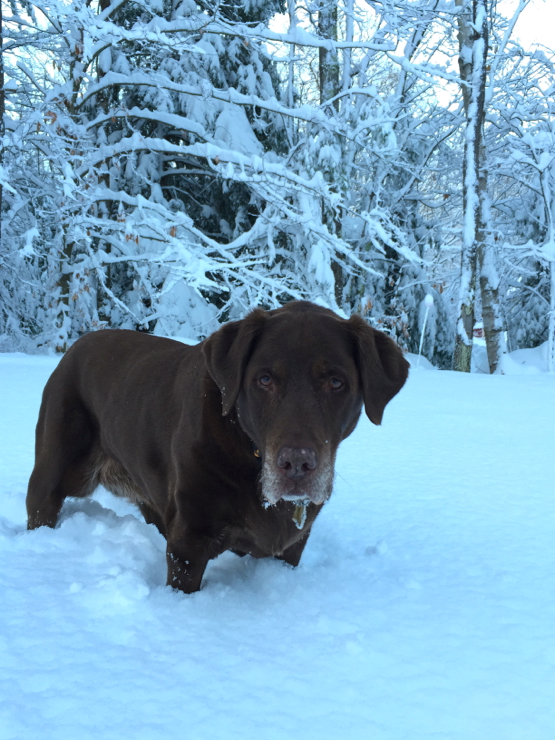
(298, 377)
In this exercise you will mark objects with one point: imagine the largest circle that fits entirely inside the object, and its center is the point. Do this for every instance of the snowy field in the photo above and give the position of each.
(423, 608)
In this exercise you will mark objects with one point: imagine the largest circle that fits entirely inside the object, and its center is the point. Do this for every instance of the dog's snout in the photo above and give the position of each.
(296, 462)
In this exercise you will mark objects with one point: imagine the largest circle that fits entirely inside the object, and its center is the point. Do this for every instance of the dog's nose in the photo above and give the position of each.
(296, 462)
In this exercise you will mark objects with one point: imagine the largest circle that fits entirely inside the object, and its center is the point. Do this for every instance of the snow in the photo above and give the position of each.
(520, 362)
(234, 130)
(424, 606)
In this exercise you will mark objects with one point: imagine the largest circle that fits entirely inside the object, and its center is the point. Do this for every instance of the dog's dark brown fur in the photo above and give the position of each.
(223, 445)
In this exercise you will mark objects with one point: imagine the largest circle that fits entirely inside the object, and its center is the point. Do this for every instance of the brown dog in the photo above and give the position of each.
(229, 445)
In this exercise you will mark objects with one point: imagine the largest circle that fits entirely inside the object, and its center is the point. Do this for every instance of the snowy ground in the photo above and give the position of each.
(423, 609)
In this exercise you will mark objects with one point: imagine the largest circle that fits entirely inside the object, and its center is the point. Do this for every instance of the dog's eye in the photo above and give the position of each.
(265, 380)
(336, 384)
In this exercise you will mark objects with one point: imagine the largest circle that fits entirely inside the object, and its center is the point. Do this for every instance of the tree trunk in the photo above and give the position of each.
(551, 336)
(492, 314)
(550, 245)
(349, 35)
(328, 61)
(2, 111)
(329, 84)
(491, 305)
(473, 46)
(480, 252)
(63, 319)
(291, 70)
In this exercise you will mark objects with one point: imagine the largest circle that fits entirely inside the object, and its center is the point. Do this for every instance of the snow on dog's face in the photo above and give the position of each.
(297, 379)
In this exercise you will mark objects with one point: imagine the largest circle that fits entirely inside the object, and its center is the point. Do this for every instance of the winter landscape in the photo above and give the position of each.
(169, 165)
(166, 166)
(423, 607)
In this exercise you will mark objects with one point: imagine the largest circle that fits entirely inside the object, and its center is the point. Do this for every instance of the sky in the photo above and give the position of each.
(536, 23)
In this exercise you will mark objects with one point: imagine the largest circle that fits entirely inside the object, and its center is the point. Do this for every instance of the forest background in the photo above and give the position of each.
(166, 165)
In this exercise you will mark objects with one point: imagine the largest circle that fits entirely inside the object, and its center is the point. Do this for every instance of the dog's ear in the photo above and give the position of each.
(382, 367)
(227, 352)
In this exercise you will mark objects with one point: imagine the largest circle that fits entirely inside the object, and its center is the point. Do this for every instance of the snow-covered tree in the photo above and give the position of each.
(486, 46)
(524, 174)
(167, 165)
(175, 196)
(404, 128)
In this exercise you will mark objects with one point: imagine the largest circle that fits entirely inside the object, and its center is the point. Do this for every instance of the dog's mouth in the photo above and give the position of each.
(296, 499)
(315, 489)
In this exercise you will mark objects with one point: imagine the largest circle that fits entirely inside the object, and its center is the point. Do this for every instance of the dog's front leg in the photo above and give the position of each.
(188, 551)
(292, 555)
(186, 565)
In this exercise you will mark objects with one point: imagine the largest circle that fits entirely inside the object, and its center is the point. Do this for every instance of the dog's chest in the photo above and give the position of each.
(268, 531)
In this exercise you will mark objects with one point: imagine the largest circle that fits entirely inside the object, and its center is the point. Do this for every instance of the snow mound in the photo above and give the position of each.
(520, 362)
(418, 362)
(526, 361)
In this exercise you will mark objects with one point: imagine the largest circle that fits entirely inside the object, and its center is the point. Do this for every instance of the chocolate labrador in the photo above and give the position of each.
(228, 445)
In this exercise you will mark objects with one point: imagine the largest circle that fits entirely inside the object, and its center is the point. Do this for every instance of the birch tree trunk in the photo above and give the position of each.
(549, 251)
(64, 304)
(473, 48)
(329, 84)
(349, 35)
(492, 316)
(2, 111)
(479, 254)
(551, 337)
(328, 61)
(291, 70)
(492, 313)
